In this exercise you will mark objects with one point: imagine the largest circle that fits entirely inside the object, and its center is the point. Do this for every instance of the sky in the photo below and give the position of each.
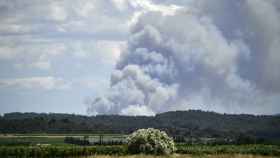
(139, 57)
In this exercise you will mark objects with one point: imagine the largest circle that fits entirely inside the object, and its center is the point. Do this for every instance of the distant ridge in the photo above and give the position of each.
(21, 115)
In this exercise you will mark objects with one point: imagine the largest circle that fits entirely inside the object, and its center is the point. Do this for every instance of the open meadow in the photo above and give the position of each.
(46, 146)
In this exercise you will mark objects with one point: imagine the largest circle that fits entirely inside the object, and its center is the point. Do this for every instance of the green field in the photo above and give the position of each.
(53, 146)
(30, 140)
(51, 139)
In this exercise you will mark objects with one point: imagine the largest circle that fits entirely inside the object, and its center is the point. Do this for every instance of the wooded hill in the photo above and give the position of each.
(192, 123)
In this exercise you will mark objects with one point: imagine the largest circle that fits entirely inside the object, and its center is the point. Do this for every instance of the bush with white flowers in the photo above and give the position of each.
(150, 141)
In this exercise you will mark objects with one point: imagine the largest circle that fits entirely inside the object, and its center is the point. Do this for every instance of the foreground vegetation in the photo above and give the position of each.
(186, 156)
(45, 146)
(46, 151)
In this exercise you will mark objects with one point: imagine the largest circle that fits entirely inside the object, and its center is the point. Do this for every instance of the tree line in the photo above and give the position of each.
(192, 124)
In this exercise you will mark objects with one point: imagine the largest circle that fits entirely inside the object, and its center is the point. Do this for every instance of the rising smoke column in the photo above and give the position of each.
(194, 59)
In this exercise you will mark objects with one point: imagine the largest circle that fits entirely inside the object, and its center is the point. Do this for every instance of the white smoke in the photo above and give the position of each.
(204, 57)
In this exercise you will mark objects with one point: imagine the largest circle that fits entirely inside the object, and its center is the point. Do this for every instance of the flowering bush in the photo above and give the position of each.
(150, 141)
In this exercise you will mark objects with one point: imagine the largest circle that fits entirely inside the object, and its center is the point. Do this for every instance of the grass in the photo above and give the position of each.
(229, 149)
(196, 151)
(184, 156)
(7, 141)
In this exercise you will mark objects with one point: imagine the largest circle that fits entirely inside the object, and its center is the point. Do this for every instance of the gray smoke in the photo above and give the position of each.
(219, 55)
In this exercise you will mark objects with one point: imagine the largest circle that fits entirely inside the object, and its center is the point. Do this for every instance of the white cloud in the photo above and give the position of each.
(57, 11)
(104, 50)
(42, 65)
(121, 4)
(6, 53)
(32, 55)
(86, 8)
(36, 33)
(41, 83)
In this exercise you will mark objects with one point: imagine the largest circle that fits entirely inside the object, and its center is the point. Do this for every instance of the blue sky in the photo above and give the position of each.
(139, 57)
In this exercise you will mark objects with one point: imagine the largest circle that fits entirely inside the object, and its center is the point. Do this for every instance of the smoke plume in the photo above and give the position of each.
(219, 55)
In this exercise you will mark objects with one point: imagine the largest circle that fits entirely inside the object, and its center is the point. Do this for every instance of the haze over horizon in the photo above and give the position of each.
(140, 57)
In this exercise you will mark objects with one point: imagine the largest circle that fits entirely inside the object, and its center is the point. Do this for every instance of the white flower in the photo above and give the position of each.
(151, 141)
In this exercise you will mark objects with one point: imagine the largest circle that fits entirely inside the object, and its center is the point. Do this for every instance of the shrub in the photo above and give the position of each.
(150, 141)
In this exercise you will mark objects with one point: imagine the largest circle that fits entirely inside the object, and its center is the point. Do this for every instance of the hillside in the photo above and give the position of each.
(192, 123)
